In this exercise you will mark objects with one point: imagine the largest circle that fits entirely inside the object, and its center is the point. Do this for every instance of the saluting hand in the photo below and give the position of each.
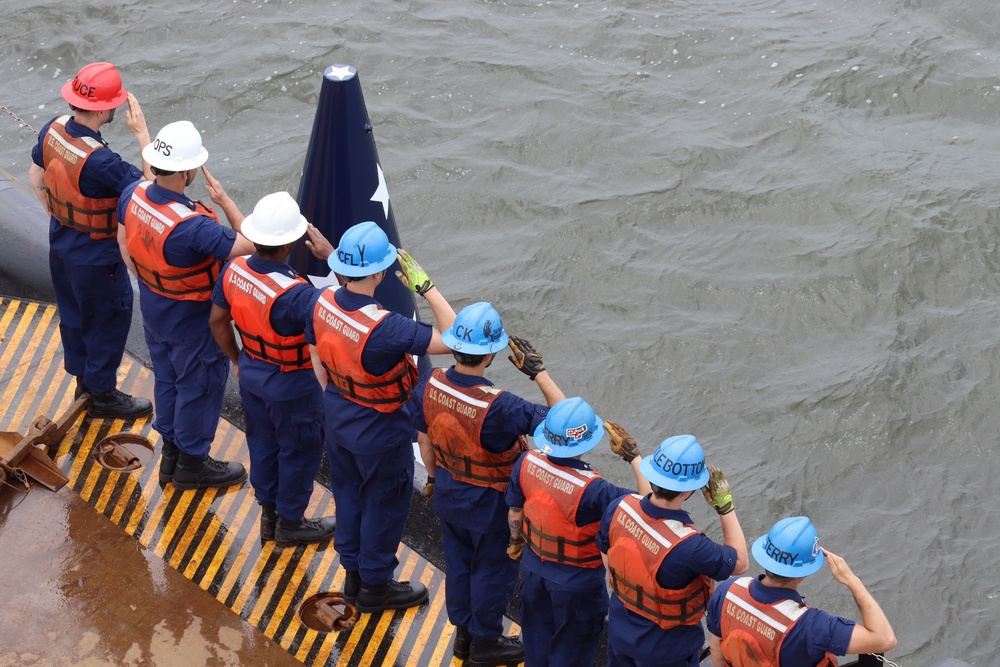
(134, 118)
(214, 188)
(838, 567)
(318, 244)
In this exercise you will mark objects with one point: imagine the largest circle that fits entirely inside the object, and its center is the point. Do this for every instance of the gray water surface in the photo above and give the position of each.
(771, 224)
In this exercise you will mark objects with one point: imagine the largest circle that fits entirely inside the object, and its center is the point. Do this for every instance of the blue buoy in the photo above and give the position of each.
(343, 182)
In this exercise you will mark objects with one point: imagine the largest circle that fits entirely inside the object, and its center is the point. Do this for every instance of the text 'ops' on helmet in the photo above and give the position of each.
(275, 221)
(790, 549)
(570, 429)
(678, 464)
(477, 330)
(96, 87)
(364, 250)
(177, 147)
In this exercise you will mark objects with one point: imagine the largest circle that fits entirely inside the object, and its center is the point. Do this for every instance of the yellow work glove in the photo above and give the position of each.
(515, 549)
(525, 358)
(622, 443)
(429, 488)
(717, 492)
(413, 275)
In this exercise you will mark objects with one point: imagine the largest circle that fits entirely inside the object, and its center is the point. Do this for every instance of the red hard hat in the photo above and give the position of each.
(95, 88)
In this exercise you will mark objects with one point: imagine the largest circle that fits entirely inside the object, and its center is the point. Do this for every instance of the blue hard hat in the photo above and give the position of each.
(477, 330)
(790, 548)
(678, 464)
(570, 429)
(363, 251)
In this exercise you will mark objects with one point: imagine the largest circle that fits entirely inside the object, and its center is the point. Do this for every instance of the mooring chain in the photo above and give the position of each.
(18, 118)
(888, 663)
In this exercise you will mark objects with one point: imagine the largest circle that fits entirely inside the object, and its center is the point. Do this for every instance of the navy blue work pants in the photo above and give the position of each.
(95, 312)
(480, 579)
(620, 658)
(560, 627)
(190, 384)
(285, 440)
(372, 493)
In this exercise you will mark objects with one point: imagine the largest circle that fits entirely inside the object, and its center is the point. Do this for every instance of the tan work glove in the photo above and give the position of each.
(525, 358)
(429, 488)
(413, 275)
(717, 492)
(515, 549)
(622, 443)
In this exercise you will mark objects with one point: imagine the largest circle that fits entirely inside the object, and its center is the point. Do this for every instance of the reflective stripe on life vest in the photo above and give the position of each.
(251, 295)
(64, 157)
(638, 545)
(552, 496)
(455, 417)
(340, 339)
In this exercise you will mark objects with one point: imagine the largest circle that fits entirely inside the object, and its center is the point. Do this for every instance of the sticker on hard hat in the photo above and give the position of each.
(677, 469)
(162, 147)
(489, 333)
(815, 548)
(572, 437)
(780, 556)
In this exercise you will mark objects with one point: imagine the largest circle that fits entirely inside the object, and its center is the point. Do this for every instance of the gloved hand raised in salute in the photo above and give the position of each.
(413, 275)
(622, 443)
(717, 492)
(525, 358)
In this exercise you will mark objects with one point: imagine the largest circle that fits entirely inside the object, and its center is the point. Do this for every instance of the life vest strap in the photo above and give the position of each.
(155, 280)
(348, 386)
(463, 466)
(536, 536)
(261, 351)
(639, 600)
(56, 207)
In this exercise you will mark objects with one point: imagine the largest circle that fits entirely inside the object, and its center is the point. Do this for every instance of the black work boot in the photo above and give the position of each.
(352, 586)
(80, 389)
(205, 473)
(461, 647)
(268, 519)
(304, 531)
(507, 651)
(392, 595)
(120, 405)
(168, 461)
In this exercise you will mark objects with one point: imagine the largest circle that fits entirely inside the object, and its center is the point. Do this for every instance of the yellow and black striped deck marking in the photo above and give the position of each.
(210, 536)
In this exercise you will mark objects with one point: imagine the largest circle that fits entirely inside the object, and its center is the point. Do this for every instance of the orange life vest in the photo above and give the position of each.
(552, 495)
(147, 228)
(64, 157)
(340, 339)
(752, 632)
(455, 417)
(251, 296)
(638, 545)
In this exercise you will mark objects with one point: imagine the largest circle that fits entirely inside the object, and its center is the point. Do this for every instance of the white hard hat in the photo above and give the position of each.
(275, 221)
(177, 147)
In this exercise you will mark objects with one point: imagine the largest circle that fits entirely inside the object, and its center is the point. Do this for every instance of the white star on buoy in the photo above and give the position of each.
(381, 192)
(341, 72)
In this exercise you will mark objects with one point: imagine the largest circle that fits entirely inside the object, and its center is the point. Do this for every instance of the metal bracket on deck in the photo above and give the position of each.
(25, 454)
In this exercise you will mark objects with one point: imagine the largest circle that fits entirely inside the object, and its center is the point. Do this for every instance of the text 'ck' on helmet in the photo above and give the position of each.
(790, 549)
(275, 221)
(364, 250)
(177, 147)
(570, 429)
(477, 330)
(678, 464)
(96, 87)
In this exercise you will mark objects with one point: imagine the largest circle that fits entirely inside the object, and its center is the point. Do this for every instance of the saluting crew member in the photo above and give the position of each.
(470, 434)
(662, 568)
(367, 354)
(765, 622)
(282, 399)
(556, 503)
(78, 180)
(176, 247)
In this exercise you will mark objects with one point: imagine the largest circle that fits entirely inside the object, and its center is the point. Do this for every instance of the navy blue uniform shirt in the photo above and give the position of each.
(104, 175)
(475, 507)
(815, 633)
(288, 318)
(190, 243)
(597, 497)
(355, 427)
